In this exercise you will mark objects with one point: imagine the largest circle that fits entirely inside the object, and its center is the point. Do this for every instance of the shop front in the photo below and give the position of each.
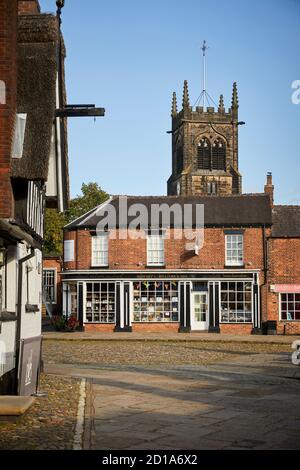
(223, 302)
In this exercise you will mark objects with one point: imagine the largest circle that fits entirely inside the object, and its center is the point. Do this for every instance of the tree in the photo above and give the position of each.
(54, 223)
(92, 196)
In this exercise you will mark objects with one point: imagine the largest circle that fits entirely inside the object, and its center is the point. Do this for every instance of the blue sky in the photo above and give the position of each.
(129, 56)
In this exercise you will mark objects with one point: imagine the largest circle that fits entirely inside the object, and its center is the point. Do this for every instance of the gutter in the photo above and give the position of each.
(16, 233)
(19, 311)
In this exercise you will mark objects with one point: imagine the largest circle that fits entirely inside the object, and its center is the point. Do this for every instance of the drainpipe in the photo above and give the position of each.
(265, 256)
(19, 311)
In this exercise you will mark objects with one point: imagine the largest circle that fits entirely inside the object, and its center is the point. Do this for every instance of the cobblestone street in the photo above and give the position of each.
(49, 423)
(191, 395)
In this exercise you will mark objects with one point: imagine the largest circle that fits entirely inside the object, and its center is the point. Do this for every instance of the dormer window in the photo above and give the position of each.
(19, 135)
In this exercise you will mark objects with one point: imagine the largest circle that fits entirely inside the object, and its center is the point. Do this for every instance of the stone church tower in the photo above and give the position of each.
(204, 148)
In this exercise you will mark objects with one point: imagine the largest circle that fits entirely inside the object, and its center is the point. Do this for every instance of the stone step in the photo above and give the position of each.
(14, 405)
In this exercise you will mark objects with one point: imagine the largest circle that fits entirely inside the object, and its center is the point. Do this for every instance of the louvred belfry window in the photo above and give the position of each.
(219, 155)
(203, 154)
(179, 159)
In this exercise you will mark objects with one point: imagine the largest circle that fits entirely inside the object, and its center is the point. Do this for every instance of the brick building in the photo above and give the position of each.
(33, 165)
(284, 270)
(236, 276)
(160, 282)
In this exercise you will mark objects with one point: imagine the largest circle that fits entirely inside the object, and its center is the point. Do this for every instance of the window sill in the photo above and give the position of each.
(236, 322)
(293, 321)
(155, 266)
(100, 267)
(234, 266)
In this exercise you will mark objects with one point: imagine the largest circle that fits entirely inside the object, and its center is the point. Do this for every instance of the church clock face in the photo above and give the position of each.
(178, 189)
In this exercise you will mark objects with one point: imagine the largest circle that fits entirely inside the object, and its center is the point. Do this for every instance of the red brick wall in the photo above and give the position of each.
(132, 254)
(284, 268)
(29, 7)
(236, 329)
(99, 327)
(155, 327)
(8, 74)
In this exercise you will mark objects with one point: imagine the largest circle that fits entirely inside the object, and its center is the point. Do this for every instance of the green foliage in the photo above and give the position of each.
(92, 196)
(54, 223)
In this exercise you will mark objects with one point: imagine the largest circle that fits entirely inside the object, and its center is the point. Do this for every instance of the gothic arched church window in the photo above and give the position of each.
(203, 154)
(219, 155)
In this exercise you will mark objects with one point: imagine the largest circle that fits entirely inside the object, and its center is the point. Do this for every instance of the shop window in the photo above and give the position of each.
(236, 302)
(290, 307)
(100, 305)
(155, 301)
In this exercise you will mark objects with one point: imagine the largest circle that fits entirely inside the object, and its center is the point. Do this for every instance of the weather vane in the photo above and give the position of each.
(204, 49)
(204, 96)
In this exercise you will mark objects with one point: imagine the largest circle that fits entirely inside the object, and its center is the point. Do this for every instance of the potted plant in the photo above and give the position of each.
(71, 323)
(59, 322)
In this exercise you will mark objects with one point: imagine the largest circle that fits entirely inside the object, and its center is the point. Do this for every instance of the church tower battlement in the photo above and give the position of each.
(205, 148)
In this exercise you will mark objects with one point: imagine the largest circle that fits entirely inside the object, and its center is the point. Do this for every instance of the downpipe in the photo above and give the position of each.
(21, 262)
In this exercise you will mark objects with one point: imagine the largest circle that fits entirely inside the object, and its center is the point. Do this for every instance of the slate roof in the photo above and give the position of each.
(286, 222)
(225, 211)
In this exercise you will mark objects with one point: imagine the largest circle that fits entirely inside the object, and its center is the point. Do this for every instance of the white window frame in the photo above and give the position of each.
(280, 309)
(2, 92)
(160, 250)
(97, 302)
(54, 286)
(233, 237)
(19, 135)
(69, 254)
(99, 252)
(228, 322)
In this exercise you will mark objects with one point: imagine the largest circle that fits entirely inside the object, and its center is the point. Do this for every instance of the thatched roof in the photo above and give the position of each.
(37, 72)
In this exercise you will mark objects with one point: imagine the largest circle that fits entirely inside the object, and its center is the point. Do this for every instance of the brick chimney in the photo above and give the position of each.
(269, 188)
(29, 7)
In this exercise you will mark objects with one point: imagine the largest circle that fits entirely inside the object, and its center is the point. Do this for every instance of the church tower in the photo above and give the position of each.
(205, 148)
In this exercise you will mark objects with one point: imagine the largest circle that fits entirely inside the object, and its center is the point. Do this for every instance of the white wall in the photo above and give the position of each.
(51, 184)
(7, 347)
(31, 322)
